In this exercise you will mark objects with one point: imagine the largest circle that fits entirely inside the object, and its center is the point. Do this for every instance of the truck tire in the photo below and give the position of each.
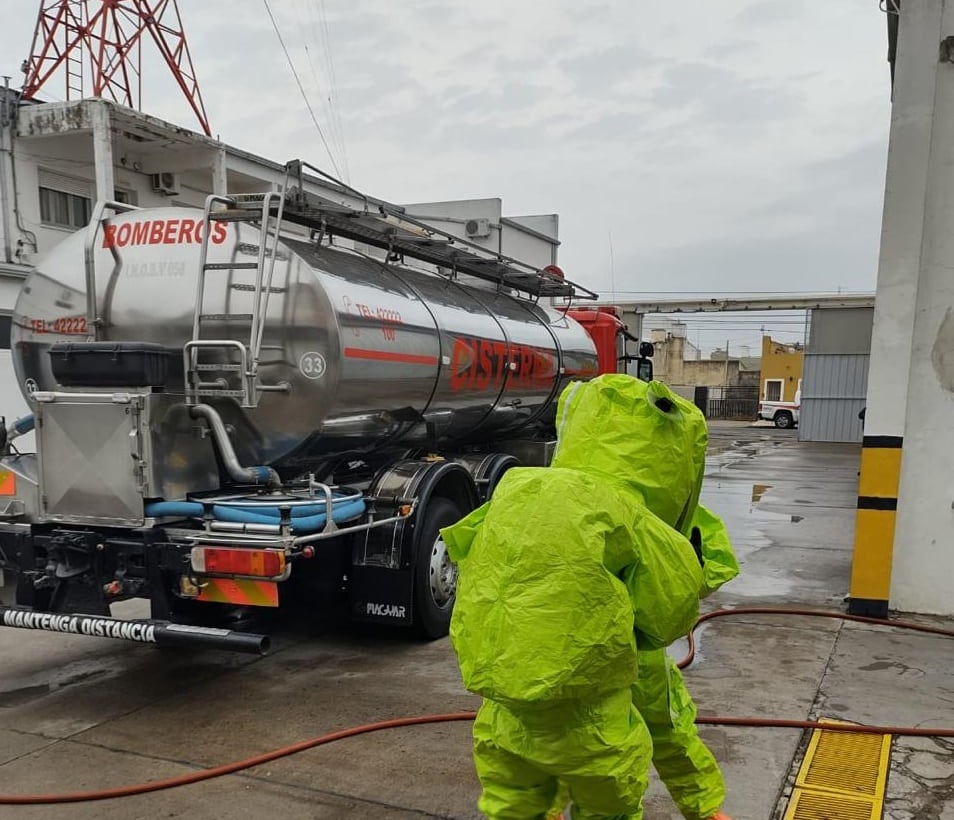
(783, 420)
(435, 575)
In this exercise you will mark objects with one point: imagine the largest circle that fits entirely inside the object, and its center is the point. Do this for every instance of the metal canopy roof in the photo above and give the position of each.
(780, 301)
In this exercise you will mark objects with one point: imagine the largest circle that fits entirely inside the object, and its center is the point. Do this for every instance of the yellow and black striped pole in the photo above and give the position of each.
(874, 525)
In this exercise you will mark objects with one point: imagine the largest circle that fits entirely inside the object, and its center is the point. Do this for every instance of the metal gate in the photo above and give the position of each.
(737, 403)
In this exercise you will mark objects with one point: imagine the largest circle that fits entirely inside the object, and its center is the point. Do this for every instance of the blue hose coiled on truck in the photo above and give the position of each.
(305, 518)
(300, 522)
(179, 509)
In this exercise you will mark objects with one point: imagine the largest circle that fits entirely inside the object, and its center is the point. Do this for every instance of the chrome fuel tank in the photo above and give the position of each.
(374, 354)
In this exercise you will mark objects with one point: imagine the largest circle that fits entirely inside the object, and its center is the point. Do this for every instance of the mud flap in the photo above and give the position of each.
(381, 595)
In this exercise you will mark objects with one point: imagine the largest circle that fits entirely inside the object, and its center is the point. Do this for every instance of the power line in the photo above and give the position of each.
(709, 293)
(728, 316)
(313, 32)
(301, 88)
(751, 326)
(319, 86)
(336, 121)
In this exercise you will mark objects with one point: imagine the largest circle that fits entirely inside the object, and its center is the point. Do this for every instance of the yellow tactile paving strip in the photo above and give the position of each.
(843, 777)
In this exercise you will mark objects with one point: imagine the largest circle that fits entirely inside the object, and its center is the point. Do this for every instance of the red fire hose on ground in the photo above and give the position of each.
(285, 751)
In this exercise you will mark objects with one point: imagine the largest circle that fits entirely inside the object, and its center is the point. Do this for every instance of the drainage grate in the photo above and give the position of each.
(851, 764)
(829, 806)
(843, 777)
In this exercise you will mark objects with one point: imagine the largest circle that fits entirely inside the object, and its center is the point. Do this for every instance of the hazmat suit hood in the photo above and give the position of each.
(639, 435)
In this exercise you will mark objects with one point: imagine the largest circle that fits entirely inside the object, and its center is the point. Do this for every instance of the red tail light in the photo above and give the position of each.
(229, 561)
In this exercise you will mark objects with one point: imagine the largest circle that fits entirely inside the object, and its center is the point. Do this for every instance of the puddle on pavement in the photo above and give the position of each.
(740, 505)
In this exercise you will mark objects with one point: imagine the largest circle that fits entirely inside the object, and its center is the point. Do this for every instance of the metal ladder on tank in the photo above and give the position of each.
(265, 210)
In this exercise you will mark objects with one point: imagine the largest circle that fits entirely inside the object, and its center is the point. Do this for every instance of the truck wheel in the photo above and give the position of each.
(435, 575)
(783, 419)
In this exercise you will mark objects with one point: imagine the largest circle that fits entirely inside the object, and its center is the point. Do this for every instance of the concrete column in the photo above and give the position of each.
(220, 181)
(102, 151)
(924, 542)
(903, 557)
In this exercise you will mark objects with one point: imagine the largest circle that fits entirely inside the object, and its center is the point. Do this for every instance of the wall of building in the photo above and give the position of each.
(749, 378)
(841, 330)
(670, 366)
(68, 169)
(833, 394)
(835, 378)
(707, 373)
(784, 362)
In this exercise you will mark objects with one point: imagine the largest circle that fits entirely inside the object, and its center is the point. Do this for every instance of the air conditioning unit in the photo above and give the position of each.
(165, 183)
(477, 228)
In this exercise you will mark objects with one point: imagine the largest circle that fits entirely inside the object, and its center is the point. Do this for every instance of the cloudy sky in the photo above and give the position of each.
(688, 147)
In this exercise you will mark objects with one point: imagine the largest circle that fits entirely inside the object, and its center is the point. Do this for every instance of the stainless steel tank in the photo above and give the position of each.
(374, 354)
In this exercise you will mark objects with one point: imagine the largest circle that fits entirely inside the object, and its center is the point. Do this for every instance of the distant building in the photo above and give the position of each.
(679, 363)
(781, 369)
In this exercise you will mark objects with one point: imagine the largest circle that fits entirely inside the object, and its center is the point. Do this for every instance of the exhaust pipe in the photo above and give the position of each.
(160, 633)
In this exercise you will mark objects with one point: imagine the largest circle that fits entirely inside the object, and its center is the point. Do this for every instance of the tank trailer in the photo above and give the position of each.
(271, 403)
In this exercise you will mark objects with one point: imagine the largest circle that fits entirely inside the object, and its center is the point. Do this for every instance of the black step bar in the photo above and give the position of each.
(160, 633)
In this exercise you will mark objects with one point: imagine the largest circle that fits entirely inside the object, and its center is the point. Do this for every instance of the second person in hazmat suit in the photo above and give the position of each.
(565, 579)
(665, 467)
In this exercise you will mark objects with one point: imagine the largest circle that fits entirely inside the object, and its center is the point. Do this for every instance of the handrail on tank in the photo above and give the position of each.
(203, 257)
(260, 310)
(257, 293)
(270, 200)
(189, 361)
(92, 231)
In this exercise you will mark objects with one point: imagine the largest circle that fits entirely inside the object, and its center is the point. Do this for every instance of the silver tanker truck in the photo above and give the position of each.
(248, 406)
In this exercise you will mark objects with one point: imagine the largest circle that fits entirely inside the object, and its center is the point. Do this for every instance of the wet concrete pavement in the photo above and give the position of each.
(83, 713)
(790, 510)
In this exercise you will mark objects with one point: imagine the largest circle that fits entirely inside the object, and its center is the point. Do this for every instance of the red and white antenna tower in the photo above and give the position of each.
(102, 39)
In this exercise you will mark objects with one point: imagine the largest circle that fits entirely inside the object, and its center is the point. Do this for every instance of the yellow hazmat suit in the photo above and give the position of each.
(670, 448)
(565, 579)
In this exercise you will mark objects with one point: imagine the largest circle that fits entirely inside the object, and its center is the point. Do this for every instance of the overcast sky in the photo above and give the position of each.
(699, 146)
